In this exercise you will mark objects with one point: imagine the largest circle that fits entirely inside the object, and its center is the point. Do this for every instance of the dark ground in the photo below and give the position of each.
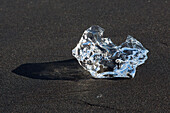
(42, 32)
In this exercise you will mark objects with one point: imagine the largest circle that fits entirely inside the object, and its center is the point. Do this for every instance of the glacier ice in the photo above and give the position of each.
(103, 59)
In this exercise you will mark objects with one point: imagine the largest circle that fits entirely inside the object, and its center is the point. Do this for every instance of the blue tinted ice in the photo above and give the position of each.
(103, 59)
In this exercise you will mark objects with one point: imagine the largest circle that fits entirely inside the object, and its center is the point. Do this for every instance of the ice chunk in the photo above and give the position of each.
(103, 59)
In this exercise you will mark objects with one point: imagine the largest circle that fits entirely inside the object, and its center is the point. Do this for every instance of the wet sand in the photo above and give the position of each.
(39, 74)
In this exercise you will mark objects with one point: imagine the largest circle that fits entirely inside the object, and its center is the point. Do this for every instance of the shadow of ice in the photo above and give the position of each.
(58, 70)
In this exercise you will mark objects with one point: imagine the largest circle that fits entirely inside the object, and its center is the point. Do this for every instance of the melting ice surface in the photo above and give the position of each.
(103, 59)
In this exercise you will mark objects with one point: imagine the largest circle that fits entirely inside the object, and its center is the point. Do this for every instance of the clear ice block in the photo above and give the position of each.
(103, 59)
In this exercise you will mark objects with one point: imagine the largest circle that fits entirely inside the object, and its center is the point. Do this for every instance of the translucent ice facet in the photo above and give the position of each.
(103, 59)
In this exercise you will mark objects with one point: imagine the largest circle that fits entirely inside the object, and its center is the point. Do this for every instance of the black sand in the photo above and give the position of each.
(35, 35)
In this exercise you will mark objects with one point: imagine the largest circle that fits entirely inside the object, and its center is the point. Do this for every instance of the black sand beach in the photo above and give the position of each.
(39, 74)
